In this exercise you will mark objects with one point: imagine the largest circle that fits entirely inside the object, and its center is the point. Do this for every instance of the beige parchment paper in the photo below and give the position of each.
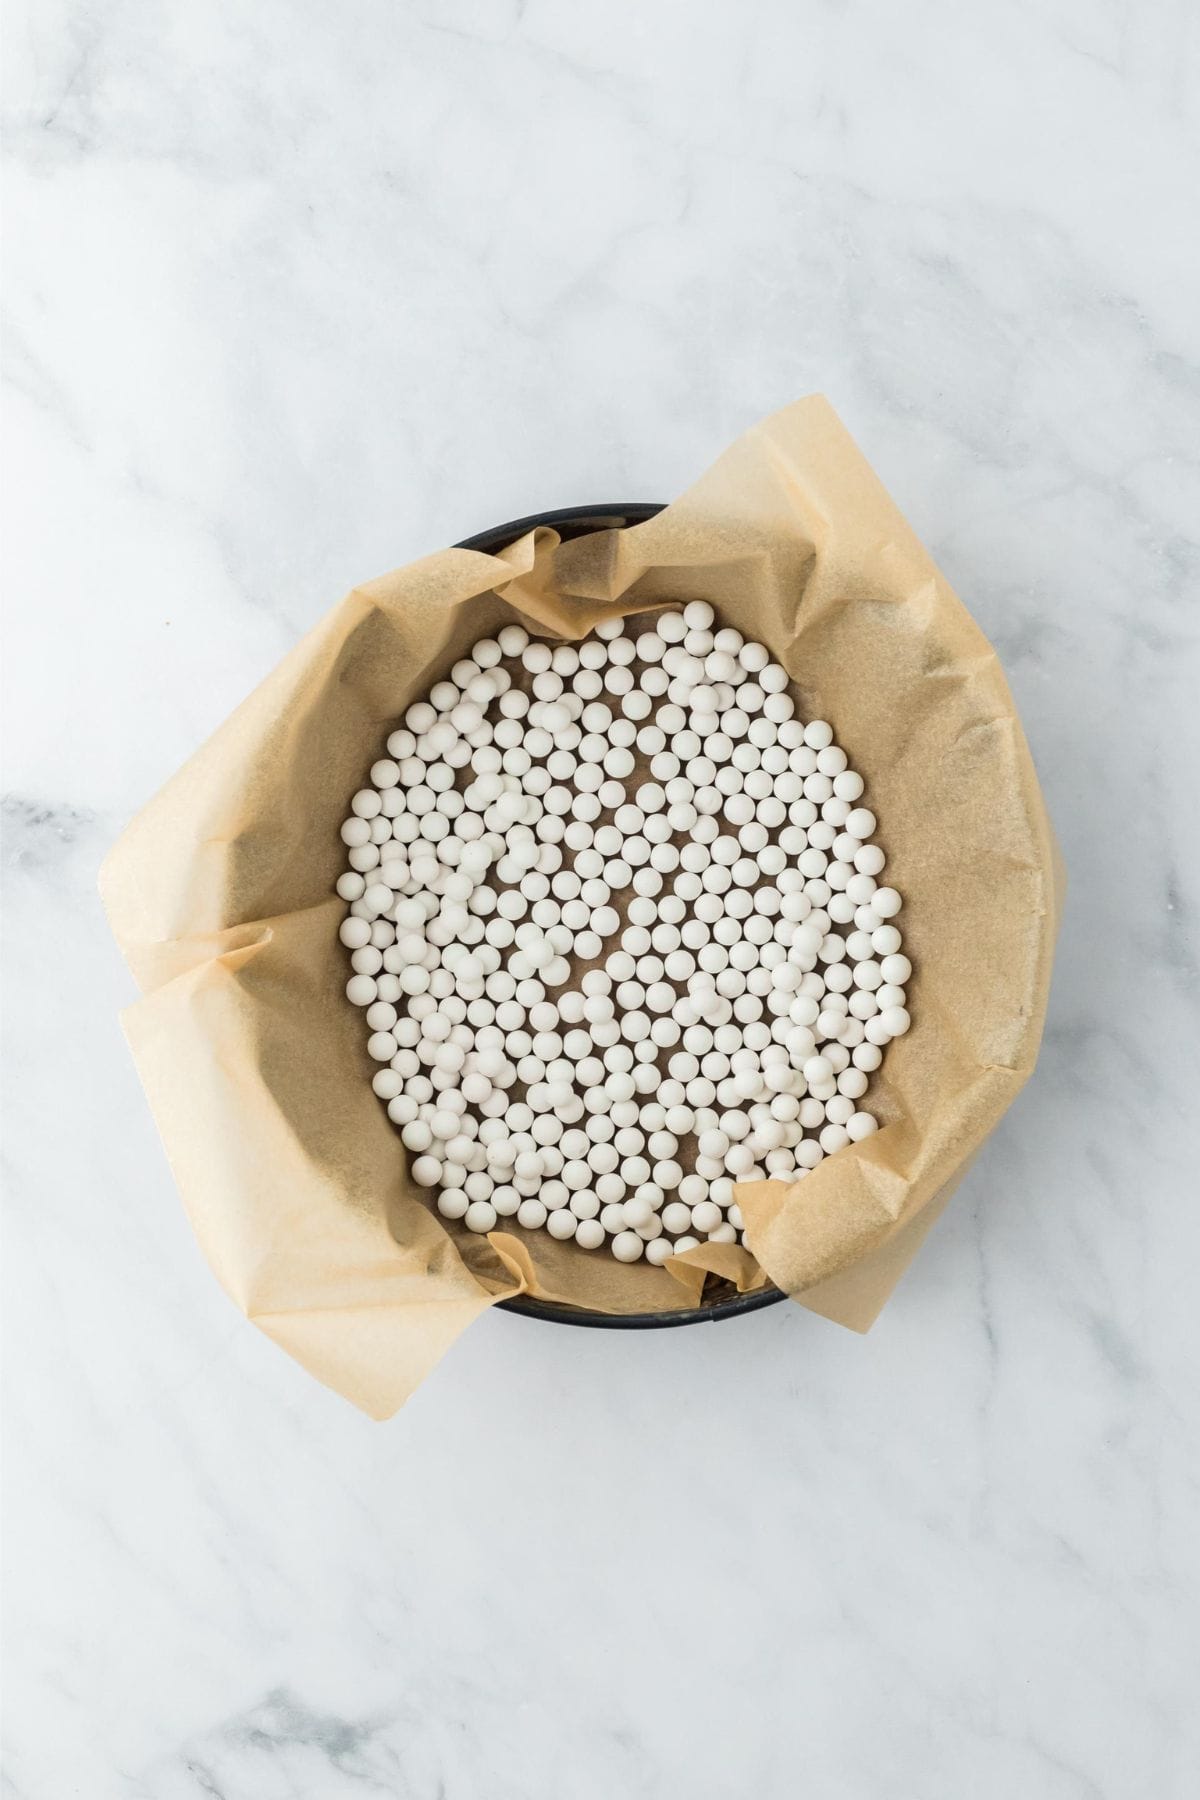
(220, 894)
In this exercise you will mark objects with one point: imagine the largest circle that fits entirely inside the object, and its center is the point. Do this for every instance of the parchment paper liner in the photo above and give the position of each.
(220, 895)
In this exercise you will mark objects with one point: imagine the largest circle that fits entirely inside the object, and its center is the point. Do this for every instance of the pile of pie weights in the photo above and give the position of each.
(616, 922)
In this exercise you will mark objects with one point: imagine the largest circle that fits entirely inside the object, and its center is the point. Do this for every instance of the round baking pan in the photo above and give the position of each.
(721, 1300)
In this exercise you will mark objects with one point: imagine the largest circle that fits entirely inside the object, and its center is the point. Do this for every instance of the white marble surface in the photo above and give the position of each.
(297, 292)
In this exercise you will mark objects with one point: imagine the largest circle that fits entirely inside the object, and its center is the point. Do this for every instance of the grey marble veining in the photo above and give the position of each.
(296, 293)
